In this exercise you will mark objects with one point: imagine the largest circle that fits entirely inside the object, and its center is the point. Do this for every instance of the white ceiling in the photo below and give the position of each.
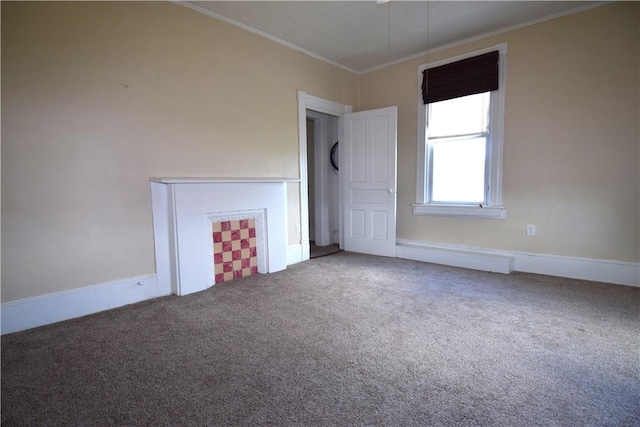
(363, 35)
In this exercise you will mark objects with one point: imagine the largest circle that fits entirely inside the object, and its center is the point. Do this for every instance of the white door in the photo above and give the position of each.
(368, 175)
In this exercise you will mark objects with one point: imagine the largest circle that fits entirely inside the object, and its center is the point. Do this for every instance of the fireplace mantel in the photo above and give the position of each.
(210, 180)
(183, 209)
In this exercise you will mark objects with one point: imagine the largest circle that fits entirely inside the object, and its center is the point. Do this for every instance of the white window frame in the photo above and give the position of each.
(494, 208)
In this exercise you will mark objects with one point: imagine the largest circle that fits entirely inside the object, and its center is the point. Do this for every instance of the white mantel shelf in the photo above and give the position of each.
(213, 180)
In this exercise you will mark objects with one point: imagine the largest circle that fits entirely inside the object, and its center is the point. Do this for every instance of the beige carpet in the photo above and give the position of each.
(340, 340)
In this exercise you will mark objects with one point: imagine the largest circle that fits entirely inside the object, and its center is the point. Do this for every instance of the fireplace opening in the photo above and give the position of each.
(237, 244)
(234, 249)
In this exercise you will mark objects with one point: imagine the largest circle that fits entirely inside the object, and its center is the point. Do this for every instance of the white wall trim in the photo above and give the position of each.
(396, 61)
(164, 231)
(56, 307)
(295, 254)
(483, 36)
(50, 308)
(472, 258)
(461, 211)
(310, 102)
(476, 258)
(263, 34)
(493, 209)
(597, 270)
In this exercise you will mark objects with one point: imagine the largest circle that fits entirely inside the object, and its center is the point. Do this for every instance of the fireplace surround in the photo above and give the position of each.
(184, 210)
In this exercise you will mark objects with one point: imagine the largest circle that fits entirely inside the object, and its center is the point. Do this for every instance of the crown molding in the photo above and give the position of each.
(390, 63)
(263, 34)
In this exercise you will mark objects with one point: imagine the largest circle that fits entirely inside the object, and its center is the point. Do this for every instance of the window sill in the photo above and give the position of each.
(461, 211)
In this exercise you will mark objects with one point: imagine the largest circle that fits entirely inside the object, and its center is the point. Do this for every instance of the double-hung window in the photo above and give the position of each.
(460, 136)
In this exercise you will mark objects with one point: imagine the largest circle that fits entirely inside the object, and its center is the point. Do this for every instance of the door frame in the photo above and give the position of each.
(313, 103)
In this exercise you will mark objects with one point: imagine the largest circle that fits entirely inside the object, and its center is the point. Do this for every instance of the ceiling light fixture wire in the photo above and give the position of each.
(426, 71)
(389, 34)
(387, 66)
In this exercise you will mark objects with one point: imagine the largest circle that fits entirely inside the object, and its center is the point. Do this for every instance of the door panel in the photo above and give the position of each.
(370, 196)
(379, 221)
(358, 223)
(380, 148)
(358, 162)
(369, 181)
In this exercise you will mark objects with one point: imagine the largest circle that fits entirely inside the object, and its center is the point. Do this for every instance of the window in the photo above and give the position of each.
(460, 137)
(457, 136)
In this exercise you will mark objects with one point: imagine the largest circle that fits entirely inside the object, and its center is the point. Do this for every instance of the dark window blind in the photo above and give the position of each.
(461, 78)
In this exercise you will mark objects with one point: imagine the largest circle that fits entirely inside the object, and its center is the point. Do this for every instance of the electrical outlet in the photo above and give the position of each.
(531, 230)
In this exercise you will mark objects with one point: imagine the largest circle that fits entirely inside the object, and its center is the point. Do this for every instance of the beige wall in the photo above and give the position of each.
(571, 150)
(98, 97)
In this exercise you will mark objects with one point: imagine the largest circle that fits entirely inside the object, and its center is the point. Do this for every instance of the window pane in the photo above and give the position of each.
(458, 170)
(459, 116)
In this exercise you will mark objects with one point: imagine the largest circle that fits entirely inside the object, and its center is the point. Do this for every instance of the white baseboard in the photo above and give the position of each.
(474, 259)
(616, 272)
(45, 309)
(597, 270)
(294, 254)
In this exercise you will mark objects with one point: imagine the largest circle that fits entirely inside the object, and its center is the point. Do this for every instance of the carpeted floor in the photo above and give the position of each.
(341, 340)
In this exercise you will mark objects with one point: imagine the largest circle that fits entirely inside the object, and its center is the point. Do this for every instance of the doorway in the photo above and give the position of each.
(306, 103)
(365, 223)
(323, 183)
(322, 134)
